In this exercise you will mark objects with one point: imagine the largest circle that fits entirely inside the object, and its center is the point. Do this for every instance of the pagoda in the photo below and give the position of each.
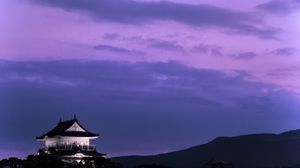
(69, 141)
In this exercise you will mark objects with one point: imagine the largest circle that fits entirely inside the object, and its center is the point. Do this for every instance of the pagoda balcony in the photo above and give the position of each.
(72, 147)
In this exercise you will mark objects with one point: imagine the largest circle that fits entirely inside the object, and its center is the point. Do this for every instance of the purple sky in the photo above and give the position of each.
(150, 76)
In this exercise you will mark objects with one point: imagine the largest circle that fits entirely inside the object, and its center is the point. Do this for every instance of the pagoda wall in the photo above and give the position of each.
(60, 140)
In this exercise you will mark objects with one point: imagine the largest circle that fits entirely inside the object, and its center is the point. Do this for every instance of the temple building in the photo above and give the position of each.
(69, 141)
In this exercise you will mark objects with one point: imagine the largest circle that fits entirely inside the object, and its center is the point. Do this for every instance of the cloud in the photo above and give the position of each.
(117, 50)
(201, 49)
(112, 36)
(216, 51)
(122, 100)
(164, 45)
(204, 49)
(153, 43)
(244, 55)
(285, 51)
(141, 12)
(280, 6)
(286, 71)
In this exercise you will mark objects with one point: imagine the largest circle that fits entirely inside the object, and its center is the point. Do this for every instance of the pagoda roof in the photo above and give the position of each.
(61, 129)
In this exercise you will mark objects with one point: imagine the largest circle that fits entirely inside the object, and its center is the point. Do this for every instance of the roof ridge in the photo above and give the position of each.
(61, 127)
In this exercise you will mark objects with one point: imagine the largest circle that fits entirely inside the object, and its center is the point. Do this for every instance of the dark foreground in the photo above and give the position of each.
(44, 161)
(34, 161)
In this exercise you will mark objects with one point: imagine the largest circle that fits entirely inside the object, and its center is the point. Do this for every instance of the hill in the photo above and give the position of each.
(247, 151)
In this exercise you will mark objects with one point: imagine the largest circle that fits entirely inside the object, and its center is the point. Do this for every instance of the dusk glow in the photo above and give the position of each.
(149, 76)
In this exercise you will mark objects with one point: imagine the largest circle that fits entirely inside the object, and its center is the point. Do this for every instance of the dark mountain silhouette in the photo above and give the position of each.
(247, 151)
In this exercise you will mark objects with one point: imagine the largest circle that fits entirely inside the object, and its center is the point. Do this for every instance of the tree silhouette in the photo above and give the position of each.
(46, 161)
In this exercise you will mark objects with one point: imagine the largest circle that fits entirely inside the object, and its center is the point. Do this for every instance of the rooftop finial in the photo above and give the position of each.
(75, 118)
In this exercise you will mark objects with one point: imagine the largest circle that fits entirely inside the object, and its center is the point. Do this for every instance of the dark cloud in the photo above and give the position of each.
(205, 49)
(141, 12)
(112, 36)
(285, 51)
(136, 107)
(117, 49)
(201, 49)
(216, 51)
(153, 43)
(164, 45)
(280, 6)
(244, 55)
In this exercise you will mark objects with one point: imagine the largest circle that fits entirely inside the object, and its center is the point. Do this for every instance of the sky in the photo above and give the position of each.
(149, 76)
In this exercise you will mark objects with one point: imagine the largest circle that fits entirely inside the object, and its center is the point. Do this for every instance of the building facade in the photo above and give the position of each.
(69, 141)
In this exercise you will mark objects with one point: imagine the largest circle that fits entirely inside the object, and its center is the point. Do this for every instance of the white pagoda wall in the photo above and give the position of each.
(59, 140)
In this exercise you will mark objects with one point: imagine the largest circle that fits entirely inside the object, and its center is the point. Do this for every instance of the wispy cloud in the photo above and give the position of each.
(280, 6)
(286, 73)
(208, 49)
(244, 55)
(285, 51)
(112, 36)
(141, 12)
(117, 50)
(164, 45)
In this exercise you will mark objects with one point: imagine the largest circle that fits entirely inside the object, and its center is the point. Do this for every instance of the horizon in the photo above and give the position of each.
(24, 155)
(149, 76)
